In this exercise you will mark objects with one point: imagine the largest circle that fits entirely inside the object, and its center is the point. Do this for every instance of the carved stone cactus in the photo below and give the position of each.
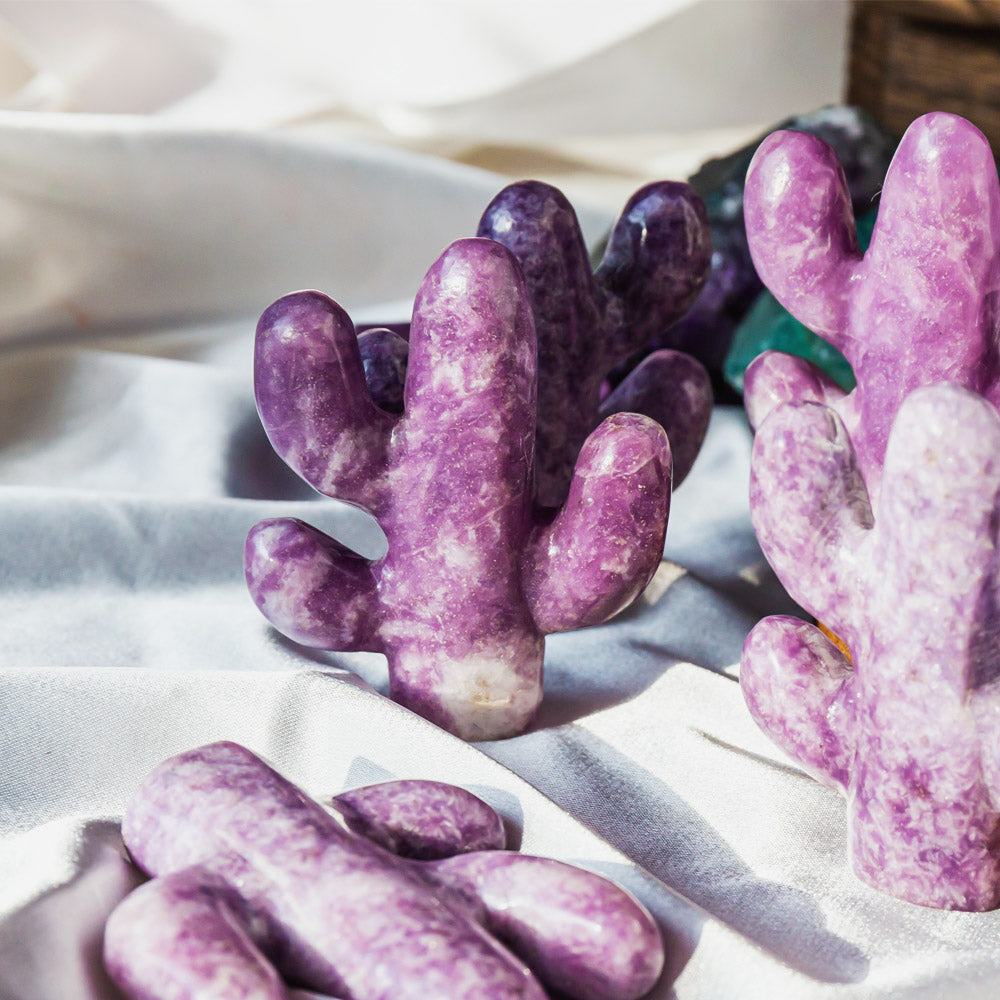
(910, 730)
(254, 884)
(918, 308)
(475, 576)
(655, 264)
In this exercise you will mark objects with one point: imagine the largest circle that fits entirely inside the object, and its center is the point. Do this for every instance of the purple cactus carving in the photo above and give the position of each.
(911, 730)
(919, 307)
(475, 576)
(655, 265)
(254, 884)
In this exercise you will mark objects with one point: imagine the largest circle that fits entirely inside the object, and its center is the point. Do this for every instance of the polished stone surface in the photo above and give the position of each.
(911, 730)
(920, 307)
(251, 879)
(653, 268)
(475, 573)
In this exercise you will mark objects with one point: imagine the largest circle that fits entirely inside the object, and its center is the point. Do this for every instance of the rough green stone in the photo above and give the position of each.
(767, 326)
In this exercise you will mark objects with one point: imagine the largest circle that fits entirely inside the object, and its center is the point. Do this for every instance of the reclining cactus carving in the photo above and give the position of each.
(919, 307)
(255, 884)
(911, 731)
(474, 576)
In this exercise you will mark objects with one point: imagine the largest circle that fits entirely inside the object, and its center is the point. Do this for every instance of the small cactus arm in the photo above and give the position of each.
(475, 575)
(909, 730)
(255, 885)
(919, 307)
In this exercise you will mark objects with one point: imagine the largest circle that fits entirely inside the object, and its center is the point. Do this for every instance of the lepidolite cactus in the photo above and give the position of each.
(254, 885)
(585, 323)
(655, 265)
(920, 307)
(475, 575)
(911, 730)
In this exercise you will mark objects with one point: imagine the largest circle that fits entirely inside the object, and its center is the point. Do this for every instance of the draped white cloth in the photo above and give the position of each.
(166, 170)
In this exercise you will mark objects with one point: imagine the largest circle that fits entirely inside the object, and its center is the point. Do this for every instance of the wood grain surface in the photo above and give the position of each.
(908, 58)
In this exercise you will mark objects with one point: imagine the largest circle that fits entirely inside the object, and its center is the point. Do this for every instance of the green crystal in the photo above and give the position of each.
(768, 326)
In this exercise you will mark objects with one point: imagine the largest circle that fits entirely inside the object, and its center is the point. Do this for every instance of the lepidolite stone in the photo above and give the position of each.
(475, 574)
(911, 731)
(920, 307)
(384, 354)
(424, 820)
(707, 329)
(254, 885)
(587, 323)
(654, 266)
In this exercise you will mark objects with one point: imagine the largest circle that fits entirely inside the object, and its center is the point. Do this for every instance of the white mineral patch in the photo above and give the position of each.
(487, 695)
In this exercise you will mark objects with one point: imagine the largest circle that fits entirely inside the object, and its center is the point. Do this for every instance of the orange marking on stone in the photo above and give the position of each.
(836, 640)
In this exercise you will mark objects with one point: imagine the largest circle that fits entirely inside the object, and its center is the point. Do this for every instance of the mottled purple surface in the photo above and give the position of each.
(579, 933)
(189, 935)
(422, 819)
(918, 308)
(654, 266)
(251, 876)
(911, 731)
(475, 575)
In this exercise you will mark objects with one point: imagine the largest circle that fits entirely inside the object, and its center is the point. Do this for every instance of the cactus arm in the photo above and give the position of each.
(420, 819)
(655, 265)
(184, 935)
(545, 910)
(773, 378)
(810, 509)
(311, 588)
(673, 389)
(603, 546)
(313, 400)
(800, 690)
(801, 232)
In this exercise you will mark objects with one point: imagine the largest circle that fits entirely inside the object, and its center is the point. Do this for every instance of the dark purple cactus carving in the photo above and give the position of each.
(475, 576)
(655, 265)
(911, 731)
(254, 885)
(919, 307)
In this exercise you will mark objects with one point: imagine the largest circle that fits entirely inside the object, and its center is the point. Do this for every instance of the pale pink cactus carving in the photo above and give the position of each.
(919, 307)
(911, 731)
(255, 885)
(475, 575)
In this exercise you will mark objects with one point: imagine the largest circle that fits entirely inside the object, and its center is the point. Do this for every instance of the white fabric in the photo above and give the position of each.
(166, 170)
